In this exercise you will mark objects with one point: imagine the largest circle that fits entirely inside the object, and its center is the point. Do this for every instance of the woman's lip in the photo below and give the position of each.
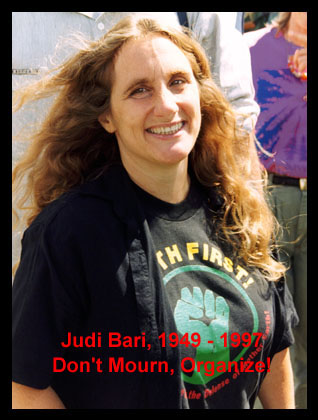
(165, 125)
(162, 127)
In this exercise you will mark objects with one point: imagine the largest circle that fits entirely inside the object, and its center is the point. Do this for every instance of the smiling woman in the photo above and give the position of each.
(79, 148)
(155, 114)
(139, 155)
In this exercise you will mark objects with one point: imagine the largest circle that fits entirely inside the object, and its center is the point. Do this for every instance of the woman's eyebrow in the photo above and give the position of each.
(136, 82)
(182, 73)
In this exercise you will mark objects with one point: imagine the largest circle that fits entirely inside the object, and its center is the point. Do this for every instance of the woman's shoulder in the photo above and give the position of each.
(83, 204)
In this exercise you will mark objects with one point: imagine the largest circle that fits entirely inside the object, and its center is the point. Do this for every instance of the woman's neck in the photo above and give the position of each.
(170, 184)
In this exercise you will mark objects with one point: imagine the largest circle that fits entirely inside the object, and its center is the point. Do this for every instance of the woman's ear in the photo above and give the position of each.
(106, 121)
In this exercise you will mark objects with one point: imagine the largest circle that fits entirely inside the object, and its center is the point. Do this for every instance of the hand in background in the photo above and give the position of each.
(298, 63)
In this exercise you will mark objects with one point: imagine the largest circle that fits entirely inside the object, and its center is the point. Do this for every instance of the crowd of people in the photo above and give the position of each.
(162, 196)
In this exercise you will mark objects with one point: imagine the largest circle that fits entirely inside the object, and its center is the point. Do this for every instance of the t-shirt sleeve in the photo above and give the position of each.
(45, 303)
(286, 317)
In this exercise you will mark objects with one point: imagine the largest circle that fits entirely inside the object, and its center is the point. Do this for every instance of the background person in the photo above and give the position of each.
(280, 80)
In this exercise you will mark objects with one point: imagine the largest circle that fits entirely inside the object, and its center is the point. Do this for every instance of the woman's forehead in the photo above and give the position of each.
(151, 54)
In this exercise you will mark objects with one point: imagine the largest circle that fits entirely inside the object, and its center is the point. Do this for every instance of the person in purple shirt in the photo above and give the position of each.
(279, 66)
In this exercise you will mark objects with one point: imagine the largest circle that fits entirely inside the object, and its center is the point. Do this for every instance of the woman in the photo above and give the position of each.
(148, 243)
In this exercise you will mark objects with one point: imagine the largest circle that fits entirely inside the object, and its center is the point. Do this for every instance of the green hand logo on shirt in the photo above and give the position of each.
(209, 317)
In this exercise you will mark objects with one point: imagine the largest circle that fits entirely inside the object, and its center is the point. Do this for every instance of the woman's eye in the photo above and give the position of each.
(139, 92)
(178, 82)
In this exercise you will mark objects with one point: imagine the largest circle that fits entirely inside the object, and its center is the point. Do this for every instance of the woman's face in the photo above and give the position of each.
(155, 104)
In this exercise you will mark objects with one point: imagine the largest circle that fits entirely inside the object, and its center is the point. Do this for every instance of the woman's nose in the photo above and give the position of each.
(165, 103)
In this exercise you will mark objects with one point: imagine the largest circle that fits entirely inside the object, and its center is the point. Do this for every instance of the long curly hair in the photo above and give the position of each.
(71, 146)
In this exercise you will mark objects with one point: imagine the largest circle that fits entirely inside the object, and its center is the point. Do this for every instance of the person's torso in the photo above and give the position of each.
(281, 128)
(220, 309)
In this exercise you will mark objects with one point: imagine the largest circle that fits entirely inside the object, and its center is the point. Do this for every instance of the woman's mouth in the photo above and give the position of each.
(166, 130)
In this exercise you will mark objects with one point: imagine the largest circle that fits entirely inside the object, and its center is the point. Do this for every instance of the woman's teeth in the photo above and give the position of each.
(166, 130)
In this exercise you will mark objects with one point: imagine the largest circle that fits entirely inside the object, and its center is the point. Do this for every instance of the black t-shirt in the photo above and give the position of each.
(224, 311)
(88, 265)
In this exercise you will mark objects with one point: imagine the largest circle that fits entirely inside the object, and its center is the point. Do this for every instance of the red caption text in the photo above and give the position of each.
(188, 364)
